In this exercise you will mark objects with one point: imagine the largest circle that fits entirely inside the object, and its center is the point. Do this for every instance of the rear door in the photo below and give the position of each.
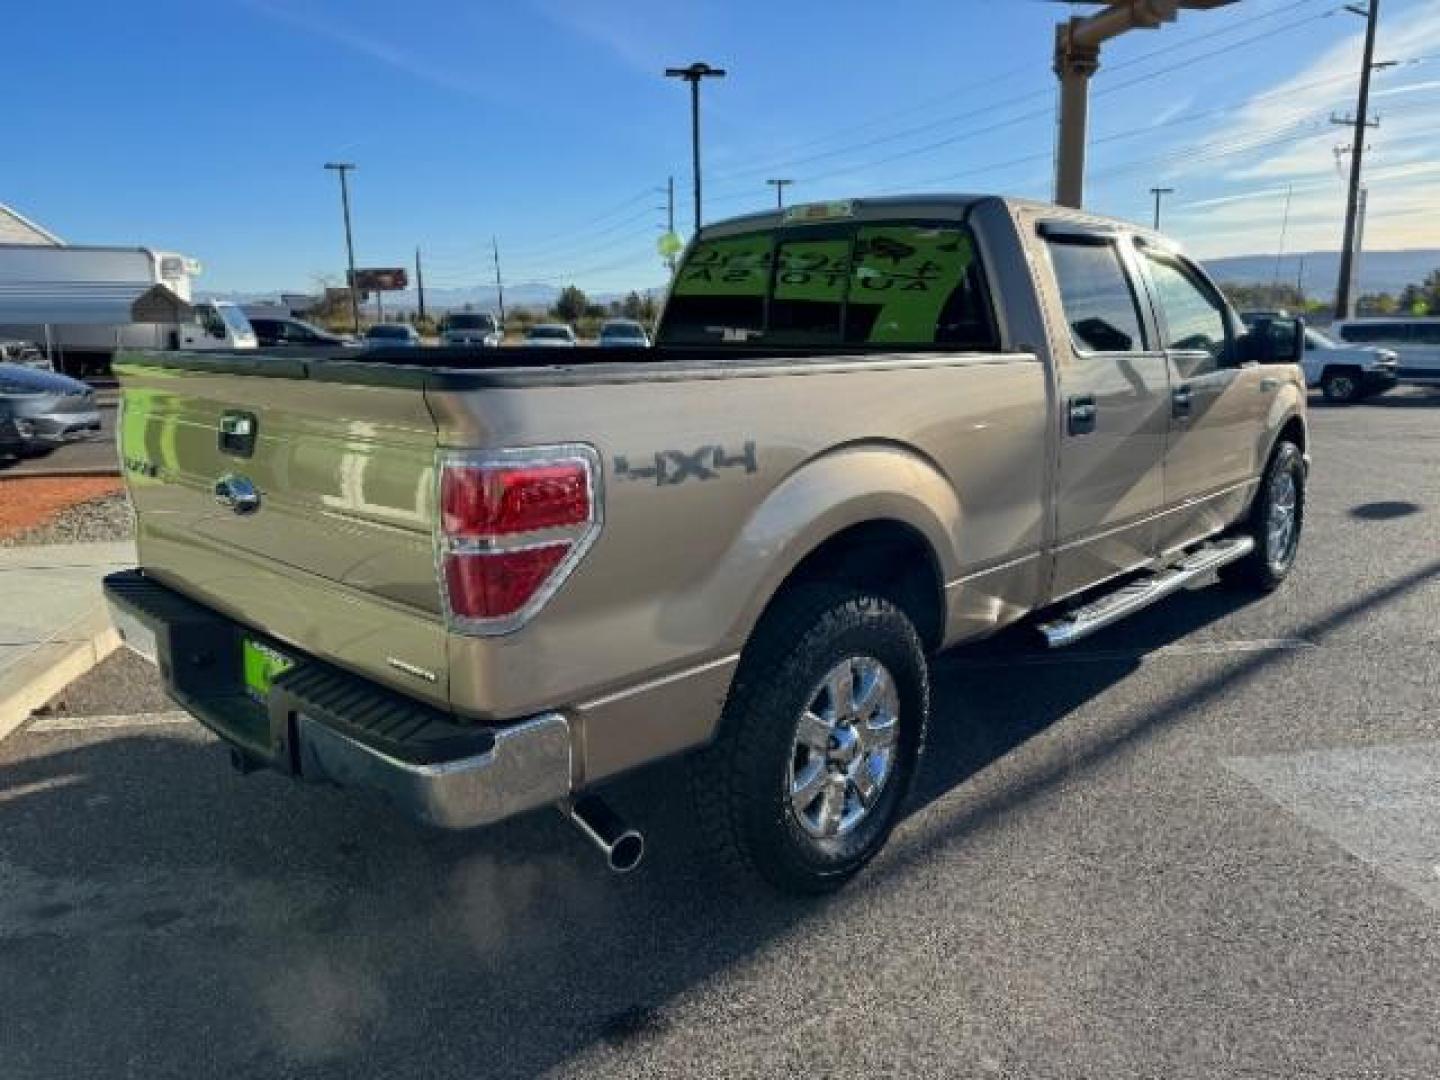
(1114, 410)
(1218, 406)
(334, 554)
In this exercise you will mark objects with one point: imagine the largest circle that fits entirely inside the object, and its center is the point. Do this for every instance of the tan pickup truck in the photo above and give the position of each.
(485, 581)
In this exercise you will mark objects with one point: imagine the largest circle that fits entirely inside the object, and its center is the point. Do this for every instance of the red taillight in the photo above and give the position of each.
(496, 500)
(494, 584)
(511, 528)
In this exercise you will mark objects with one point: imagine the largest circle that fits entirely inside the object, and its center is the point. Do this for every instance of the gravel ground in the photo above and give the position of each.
(105, 518)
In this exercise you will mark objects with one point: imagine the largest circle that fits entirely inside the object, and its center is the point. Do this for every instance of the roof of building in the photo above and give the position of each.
(16, 228)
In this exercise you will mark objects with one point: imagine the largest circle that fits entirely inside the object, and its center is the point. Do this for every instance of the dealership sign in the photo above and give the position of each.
(382, 279)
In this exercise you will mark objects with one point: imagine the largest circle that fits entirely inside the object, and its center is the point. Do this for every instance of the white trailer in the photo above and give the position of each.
(78, 304)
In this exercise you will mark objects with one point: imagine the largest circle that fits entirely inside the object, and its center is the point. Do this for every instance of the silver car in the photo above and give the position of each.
(471, 328)
(41, 410)
(552, 336)
(623, 334)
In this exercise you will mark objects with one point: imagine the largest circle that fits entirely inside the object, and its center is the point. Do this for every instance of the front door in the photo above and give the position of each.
(1114, 398)
(1218, 405)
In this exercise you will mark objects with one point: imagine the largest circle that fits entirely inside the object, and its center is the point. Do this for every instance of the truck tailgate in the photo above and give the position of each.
(343, 479)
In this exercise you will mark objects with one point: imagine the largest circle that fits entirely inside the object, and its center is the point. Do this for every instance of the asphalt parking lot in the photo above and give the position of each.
(1203, 843)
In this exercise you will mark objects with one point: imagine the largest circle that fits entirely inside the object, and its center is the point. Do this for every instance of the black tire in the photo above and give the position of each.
(741, 783)
(1341, 387)
(1264, 569)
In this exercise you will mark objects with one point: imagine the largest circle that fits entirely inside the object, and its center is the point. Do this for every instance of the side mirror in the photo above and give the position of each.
(1276, 341)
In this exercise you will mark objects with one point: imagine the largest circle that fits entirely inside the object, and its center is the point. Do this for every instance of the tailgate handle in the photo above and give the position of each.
(237, 433)
(237, 493)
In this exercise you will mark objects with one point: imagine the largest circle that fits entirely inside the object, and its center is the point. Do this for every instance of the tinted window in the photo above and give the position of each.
(1095, 292)
(917, 285)
(471, 321)
(809, 296)
(388, 333)
(720, 291)
(267, 330)
(1426, 333)
(1194, 320)
(1373, 331)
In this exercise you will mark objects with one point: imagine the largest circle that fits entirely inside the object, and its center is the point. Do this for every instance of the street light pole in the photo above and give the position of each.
(692, 75)
(1159, 193)
(779, 186)
(1077, 58)
(343, 168)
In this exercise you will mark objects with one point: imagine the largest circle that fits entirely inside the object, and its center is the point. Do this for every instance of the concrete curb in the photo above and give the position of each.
(54, 665)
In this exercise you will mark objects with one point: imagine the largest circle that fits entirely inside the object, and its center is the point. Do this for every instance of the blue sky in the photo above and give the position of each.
(202, 127)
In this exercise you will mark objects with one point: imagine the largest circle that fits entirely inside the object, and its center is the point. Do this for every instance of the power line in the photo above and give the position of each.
(791, 162)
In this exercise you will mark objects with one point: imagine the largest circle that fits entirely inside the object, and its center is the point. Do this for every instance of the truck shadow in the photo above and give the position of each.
(148, 894)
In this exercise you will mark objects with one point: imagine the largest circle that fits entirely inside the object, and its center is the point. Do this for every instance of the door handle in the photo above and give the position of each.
(1267, 384)
(1180, 400)
(1080, 414)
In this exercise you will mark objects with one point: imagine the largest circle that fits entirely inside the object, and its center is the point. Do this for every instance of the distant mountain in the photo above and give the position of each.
(1380, 271)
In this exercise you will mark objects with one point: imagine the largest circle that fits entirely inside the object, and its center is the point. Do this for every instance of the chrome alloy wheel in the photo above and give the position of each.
(844, 749)
(1281, 528)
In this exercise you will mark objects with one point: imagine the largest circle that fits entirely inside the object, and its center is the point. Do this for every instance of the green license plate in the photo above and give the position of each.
(262, 665)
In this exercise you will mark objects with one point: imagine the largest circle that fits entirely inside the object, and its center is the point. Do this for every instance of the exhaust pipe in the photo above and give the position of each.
(623, 846)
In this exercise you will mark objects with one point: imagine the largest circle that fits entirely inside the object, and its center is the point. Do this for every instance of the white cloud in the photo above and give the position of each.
(339, 32)
(1403, 154)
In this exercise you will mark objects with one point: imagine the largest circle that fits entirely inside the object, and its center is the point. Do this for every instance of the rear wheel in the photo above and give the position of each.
(1340, 387)
(819, 741)
(1275, 522)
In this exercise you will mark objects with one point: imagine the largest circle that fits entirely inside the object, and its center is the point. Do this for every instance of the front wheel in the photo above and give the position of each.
(819, 741)
(1275, 522)
(1340, 387)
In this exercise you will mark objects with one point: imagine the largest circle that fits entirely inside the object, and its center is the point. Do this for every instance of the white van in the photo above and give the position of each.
(1416, 341)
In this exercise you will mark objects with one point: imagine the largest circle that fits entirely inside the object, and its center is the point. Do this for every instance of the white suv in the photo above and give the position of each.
(1416, 341)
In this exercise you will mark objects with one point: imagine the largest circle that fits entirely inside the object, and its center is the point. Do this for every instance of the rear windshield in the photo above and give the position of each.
(388, 332)
(549, 332)
(625, 330)
(467, 321)
(897, 285)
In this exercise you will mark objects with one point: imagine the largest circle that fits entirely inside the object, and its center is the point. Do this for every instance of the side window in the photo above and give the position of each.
(720, 292)
(1095, 291)
(1425, 333)
(1366, 332)
(809, 292)
(917, 285)
(1194, 320)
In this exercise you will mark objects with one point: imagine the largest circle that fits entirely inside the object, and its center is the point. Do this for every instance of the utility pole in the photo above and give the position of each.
(779, 186)
(1344, 301)
(670, 205)
(692, 75)
(1159, 193)
(1077, 58)
(499, 282)
(420, 283)
(1359, 244)
(344, 167)
(1284, 229)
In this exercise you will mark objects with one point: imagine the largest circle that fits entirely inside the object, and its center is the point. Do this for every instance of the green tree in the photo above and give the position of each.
(570, 305)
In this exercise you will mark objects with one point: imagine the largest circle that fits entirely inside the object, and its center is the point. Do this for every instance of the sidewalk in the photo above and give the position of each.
(53, 625)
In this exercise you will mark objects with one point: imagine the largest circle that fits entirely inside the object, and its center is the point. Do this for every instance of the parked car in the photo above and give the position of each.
(283, 332)
(1414, 340)
(392, 335)
(623, 334)
(1343, 373)
(552, 336)
(23, 352)
(868, 431)
(42, 410)
(471, 328)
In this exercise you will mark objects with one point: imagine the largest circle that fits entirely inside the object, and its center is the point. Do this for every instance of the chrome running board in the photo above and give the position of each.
(1128, 599)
